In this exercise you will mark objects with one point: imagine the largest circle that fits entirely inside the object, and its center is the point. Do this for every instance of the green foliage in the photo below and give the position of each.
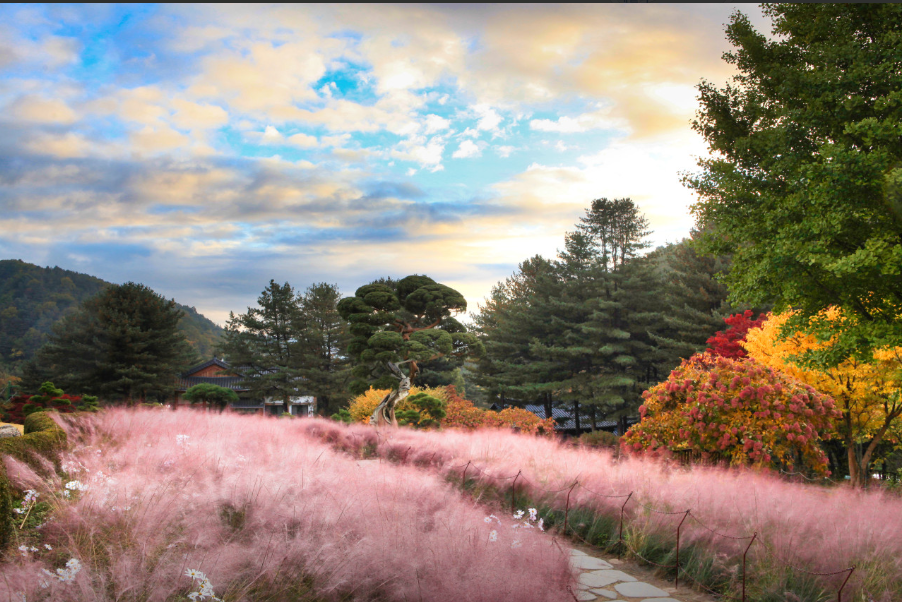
(602, 439)
(209, 393)
(122, 343)
(431, 410)
(50, 390)
(33, 299)
(409, 320)
(803, 183)
(42, 436)
(88, 403)
(342, 415)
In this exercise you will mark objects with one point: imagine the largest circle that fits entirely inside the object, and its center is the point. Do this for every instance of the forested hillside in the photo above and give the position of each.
(33, 298)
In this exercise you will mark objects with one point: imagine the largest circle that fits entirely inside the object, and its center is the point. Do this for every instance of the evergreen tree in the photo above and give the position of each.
(325, 366)
(266, 344)
(122, 343)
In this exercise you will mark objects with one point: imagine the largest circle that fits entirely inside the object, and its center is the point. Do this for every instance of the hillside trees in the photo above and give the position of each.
(804, 183)
(868, 393)
(411, 320)
(122, 343)
(599, 324)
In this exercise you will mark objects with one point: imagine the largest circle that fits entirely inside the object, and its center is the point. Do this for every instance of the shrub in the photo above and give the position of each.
(21, 406)
(738, 408)
(362, 406)
(602, 439)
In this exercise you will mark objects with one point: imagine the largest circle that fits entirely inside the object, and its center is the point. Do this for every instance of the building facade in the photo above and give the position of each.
(219, 372)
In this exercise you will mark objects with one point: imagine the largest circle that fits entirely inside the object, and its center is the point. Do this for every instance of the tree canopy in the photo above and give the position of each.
(208, 393)
(804, 183)
(122, 343)
(411, 320)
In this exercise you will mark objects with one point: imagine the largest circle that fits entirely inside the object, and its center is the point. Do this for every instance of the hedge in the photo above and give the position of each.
(43, 436)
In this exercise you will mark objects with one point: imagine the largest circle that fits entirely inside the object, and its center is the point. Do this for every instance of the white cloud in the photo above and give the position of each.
(418, 150)
(302, 140)
(489, 119)
(467, 149)
(434, 124)
(41, 110)
(597, 119)
(504, 151)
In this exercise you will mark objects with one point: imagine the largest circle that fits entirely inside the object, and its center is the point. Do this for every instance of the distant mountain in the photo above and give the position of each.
(33, 298)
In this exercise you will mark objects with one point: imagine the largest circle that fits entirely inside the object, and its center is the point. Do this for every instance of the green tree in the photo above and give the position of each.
(122, 343)
(804, 184)
(266, 344)
(208, 393)
(411, 320)
(325, 336)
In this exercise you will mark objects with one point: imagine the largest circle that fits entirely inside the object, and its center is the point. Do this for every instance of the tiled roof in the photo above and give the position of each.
(213, 362)
(229, 382)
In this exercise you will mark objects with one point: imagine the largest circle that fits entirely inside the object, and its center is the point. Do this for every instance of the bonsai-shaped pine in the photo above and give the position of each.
(430, 411)
(212, 394)
(409, 322)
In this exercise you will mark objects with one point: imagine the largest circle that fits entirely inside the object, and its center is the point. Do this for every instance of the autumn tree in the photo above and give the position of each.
(803, 182)
(411, 321)
(735, 407)
(728, 342)
(868, 393)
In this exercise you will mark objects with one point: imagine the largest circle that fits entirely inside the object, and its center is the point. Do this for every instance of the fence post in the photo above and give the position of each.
(677, 581)
(620, 535)
(514, 493)
(567, 507)
(841, 587)
(754, 536)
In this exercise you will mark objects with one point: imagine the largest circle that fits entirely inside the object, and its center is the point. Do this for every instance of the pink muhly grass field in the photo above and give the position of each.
(266, 512)
(819, 529)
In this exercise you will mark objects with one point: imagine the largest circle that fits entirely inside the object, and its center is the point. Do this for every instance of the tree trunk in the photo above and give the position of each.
(548, 409)
(594, 422)
(576, 416)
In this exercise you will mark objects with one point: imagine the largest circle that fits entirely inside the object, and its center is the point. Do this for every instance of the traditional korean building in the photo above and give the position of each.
(219, 372)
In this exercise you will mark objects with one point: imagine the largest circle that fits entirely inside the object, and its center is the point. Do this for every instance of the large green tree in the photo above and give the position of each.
(804, 184)
(325, 364)
(122, 343)
(410, 320)
(266, 345)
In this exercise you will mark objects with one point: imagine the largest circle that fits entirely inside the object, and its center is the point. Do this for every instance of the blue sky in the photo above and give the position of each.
(203, 150)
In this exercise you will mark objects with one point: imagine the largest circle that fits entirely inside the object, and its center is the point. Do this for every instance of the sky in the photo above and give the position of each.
(204, 150)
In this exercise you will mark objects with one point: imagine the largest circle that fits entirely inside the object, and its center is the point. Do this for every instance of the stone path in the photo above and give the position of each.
(600, 580)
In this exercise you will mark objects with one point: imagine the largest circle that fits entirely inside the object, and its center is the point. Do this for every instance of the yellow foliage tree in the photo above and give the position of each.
(363, 405)
(868, 394)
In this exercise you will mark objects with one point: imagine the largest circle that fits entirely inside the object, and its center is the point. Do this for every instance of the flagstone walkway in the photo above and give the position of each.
(603, 580)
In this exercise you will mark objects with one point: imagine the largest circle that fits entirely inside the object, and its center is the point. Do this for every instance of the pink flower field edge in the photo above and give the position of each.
(159, 505)
(813, 528)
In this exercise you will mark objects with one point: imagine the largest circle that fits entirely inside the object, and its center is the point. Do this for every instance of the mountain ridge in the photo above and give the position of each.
(33, 298)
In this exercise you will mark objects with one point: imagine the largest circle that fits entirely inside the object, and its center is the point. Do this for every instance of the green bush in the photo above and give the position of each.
(30, 408)
(42, 436)
(599, 439)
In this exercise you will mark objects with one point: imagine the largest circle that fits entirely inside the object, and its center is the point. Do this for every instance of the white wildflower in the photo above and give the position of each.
(516, 543)
(541, 524)
(32, 549)
(47, 546)
(76, 486)
(182, 440)
(518, 514)
(487, 519)
(533, 514)
(493, 536)
(194, 574)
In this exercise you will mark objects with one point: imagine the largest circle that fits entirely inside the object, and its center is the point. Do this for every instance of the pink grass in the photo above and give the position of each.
(258, 505)
(819, 529)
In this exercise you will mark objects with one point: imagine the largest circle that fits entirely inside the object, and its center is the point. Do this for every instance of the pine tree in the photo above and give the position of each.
(266, 346)
(326, 367)
(123, 343)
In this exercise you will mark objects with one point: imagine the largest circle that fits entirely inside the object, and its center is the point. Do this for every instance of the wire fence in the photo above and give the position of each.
(623, 544)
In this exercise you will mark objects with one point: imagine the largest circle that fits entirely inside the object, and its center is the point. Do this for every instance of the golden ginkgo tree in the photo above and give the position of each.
(868, 393)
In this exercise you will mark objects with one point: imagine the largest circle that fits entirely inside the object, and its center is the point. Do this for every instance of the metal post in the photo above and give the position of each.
(839, 593)
(754, 536)
(677, 581)
(620, 536)
(514, 493)
(567, 508)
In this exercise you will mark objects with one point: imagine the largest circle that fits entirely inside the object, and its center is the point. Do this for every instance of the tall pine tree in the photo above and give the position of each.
(123, 343)
(325, 365)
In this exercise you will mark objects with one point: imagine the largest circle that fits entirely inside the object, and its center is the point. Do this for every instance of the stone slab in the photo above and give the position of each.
(660, 600)
(639, 589)
(604, 577)
(575, 552)
(604, 592)
(588, 563)
(8, 430)
(585, 596)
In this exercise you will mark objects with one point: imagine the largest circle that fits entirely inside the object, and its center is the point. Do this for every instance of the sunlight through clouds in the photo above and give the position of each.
(339, 143)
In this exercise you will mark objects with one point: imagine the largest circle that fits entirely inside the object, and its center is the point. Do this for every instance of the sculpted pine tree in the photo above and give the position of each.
(403, 323)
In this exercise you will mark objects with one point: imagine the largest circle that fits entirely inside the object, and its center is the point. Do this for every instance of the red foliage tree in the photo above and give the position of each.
(726, 343)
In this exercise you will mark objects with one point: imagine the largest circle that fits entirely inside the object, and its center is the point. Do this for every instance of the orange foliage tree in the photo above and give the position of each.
(867, 393)
(738, 408)
(460, 412)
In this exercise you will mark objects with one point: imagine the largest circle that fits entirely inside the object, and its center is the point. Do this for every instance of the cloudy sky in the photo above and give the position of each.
(203, 150)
